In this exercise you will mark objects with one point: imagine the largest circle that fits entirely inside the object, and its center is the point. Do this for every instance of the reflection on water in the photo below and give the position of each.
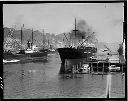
(42, 80)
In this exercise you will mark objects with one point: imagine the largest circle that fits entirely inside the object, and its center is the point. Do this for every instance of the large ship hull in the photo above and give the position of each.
(72, 53)
(9, 56)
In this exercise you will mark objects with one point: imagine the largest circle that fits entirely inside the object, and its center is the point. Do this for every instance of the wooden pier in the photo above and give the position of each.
(68, 67)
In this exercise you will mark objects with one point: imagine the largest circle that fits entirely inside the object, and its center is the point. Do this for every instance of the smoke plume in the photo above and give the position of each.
(84, 31)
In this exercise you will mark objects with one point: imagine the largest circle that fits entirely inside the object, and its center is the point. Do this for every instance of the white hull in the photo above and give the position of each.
(7, 61)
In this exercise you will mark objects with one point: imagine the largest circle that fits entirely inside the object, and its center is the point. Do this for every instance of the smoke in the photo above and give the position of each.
(84, 31)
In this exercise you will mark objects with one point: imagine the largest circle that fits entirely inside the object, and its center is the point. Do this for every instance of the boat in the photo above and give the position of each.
(10, 61)
(51, 49)
(79, 52)
(31, 52)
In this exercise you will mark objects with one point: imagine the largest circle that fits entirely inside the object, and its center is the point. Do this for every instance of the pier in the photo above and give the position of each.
(99, 66)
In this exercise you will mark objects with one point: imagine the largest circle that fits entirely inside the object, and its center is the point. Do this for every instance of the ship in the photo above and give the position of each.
(31, 52)
(79, 52)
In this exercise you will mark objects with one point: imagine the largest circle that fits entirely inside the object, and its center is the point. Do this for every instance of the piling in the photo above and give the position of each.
(97, 67)
(122, 67)
(77, 67)
(103, 69)
(80, 65)
(66, 65)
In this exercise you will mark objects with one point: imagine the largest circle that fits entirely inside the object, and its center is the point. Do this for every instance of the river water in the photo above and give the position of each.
(42, 80)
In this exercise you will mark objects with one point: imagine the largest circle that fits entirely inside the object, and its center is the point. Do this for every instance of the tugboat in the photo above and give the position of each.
(79, 52)
(32, 52)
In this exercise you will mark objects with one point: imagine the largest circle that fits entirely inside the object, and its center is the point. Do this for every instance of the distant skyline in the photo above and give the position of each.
(106, 19)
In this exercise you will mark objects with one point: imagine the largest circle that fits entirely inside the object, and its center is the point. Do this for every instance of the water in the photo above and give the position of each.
(42, 80)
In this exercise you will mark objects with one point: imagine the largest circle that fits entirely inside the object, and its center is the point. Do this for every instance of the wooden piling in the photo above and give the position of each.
(80, 65)
(122, 67)
(91, 68)
(102, 69)
(72, 71)
(65, 65)
(109, 66)
(97, 67)
(76, 66)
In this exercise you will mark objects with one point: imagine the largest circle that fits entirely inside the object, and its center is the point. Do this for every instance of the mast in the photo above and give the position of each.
(43, 39)
(32, 37)
(21, 36)
(75, 30)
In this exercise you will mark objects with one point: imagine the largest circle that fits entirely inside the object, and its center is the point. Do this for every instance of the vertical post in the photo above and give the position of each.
(122, 67)
(77, 66)
(103, 69)
(32, 37)
(21, 37)
(97, 67)
(91, 66)
(80, 64)
(73, 69)
(92, 69)
(65, 65)
(75, 31)
(109, 66)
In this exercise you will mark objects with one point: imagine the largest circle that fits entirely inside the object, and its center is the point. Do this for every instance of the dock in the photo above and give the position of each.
(98, 66)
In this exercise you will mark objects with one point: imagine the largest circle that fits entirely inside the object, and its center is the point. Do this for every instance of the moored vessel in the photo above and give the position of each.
(83, 50)
(31, 52)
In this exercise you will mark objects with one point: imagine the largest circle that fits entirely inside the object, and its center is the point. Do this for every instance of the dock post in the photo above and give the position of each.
(74, 68)
(122, 67)
(91, 67)
(97, 67)
(75, 71)
(92, 71)
(72, 71)
(80, 65)
(65, 65)
(103, 69)
(109, 66)
(122, 70)
(77, 66)
(78, 69)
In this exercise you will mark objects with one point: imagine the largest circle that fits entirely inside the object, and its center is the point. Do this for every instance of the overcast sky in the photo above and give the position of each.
(106, 19)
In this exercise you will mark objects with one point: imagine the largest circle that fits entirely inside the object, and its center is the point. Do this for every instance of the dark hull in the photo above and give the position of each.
(9, 56)
(72, 53)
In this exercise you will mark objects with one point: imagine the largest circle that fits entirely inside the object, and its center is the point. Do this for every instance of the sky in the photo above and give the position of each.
(106, 19)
